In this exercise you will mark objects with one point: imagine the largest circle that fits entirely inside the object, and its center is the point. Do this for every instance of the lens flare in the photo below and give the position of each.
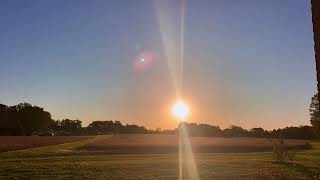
(143, 61)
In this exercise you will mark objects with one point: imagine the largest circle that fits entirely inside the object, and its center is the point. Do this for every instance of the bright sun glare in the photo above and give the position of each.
(180, 110)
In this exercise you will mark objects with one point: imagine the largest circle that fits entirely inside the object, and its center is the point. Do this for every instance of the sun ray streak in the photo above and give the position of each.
(182, 44)
(172, 37)
(189, 161)
(180, 154)
(174, 54)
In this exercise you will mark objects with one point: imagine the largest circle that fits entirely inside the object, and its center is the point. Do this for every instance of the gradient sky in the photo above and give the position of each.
(248, 63)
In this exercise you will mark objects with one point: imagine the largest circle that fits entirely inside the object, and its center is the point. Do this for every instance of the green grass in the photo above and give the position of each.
(65, 161)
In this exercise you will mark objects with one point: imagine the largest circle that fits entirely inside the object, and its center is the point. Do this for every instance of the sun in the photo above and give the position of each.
(180, 110)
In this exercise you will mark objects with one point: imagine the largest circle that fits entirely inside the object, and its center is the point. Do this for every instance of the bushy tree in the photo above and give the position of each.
(314, 113)
(258, 132)
(104, 127)
(32, 118)
(234, 131)
(204, 130)
(133, 129)
(23, 119)
(67, 125)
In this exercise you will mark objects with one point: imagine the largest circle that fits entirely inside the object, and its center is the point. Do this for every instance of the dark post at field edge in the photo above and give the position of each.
(315, 6)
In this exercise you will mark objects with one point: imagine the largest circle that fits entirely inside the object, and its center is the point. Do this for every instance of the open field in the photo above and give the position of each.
(67, 161)
(155, 143)
(9, 143)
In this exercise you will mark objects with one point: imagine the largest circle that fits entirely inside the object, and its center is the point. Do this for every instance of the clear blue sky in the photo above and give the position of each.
(248, 62)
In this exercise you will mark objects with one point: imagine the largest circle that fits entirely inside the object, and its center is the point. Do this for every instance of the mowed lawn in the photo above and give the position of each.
(72, 161)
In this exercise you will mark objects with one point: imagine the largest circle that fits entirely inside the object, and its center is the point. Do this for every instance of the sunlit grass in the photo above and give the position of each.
(66, 161)
(60, 149)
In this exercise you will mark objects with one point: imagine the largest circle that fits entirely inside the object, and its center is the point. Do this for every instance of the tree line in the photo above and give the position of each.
(25, 119)
(205, 130)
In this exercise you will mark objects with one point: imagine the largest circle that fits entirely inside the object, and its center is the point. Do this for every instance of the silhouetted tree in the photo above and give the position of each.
(314, 113)
(204, 130)
(302, 132)
(258, 132)
(133, 129)
(117, 126)
(104, 127)
(234, 131)
(5, 126)
(32, 118)
(23, 119)
(68, 126)
(315, 7)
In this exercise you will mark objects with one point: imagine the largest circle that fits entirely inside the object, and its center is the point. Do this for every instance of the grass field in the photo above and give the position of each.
(70, 161)
(9, 143)
(157, 143)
